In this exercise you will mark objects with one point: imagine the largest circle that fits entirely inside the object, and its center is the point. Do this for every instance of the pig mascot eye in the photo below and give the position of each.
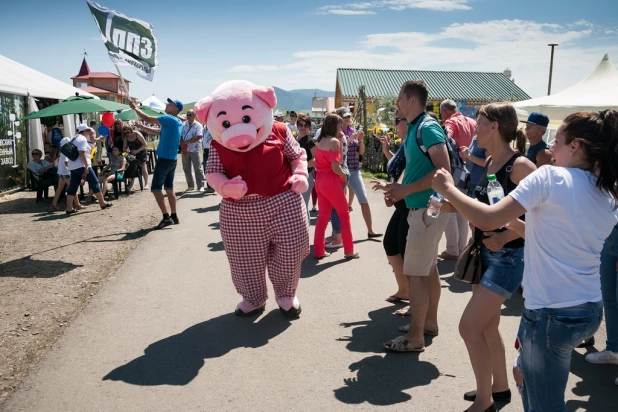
(226, 124)
(246, 119)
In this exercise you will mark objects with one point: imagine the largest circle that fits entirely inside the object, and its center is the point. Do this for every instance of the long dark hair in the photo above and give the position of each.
(506, 117)
(329, 127)
(598, 134)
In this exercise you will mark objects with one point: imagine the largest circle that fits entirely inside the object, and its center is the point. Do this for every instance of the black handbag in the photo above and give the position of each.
(469, 267)
(70, 150)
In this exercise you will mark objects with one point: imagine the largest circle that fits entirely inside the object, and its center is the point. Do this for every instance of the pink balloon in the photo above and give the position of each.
(108, 119)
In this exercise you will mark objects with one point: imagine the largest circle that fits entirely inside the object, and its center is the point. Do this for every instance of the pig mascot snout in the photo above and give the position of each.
(260, 170)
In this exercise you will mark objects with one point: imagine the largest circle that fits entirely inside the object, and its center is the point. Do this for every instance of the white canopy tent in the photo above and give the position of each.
(154, 102)
(15, 78)
(598, 91)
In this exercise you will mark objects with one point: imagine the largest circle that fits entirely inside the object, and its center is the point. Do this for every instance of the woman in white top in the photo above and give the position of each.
(570, 210)
(64, 179)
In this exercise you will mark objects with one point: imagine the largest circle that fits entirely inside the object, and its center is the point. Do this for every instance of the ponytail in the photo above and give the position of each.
(608, 162)
(520, 141)
(598, 134)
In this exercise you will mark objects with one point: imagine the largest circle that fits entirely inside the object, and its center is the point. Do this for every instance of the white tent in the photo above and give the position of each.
(598, 91)
(15, 78)
(35, 137)
(154, 102)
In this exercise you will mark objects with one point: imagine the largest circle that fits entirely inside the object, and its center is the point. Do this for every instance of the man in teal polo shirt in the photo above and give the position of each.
(425, 232)
(167, 155)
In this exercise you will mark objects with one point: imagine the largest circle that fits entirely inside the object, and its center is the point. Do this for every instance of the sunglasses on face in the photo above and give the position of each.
(302, 124)
(190, 115)
(36, 154)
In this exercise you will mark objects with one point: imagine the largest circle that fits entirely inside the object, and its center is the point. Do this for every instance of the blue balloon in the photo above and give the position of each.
(103, 130)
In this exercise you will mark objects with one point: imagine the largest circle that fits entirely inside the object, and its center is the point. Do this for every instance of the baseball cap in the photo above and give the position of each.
(344, 112)
(83, 127)
(278, 114)
(178, 103)
(538, 119)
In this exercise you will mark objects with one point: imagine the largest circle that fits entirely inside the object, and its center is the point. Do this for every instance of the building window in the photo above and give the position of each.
(112, 99)
(81, 85)
(103, 97)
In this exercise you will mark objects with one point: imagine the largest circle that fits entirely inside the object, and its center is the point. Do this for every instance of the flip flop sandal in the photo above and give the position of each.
(400, 344)
(322, 257)
(403, 312)
(406, 329)
(107, 205)
(395, 299)
(334, 245)
(352, 256)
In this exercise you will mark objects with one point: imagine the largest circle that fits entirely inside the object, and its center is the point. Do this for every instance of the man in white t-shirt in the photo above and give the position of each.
(191, 142)
(81, 169)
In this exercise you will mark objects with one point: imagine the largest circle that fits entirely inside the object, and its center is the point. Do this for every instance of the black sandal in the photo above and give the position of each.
(106, 205)
(70, 212)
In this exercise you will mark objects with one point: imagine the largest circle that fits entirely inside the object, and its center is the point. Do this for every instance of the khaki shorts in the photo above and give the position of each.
(422, 242)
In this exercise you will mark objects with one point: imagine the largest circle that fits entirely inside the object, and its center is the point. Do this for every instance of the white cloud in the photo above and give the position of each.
(487, 46)
(345, 12)
(397, 5)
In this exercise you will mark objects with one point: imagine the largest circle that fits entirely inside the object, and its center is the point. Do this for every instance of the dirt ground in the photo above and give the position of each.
(50, 266)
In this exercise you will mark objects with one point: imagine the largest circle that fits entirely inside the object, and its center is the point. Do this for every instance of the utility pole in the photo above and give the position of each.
(551, 67)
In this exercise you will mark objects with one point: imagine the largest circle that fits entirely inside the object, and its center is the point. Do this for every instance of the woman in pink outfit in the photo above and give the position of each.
(329, 181)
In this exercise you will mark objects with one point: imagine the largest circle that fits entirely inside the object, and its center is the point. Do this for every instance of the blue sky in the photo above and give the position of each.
(300, 44)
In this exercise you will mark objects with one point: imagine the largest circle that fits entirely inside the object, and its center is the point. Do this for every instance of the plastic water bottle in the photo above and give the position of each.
(495, 193)
(435, 203)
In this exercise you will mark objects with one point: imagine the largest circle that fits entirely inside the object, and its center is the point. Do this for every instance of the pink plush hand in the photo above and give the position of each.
(299, 183)
(234, 188)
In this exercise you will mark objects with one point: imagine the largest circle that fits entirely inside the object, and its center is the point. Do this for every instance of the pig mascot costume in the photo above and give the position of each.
(260, 171)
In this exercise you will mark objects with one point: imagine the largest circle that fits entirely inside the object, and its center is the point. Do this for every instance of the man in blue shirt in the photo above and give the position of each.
(167, 152)
(425, 232)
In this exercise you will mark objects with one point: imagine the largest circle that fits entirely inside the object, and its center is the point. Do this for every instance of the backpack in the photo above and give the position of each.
(461, 175)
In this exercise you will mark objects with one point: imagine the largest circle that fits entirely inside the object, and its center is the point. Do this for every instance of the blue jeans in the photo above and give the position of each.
(307, 195)
(547, 338)
(204, 161)
(609, 288)
(76, 177)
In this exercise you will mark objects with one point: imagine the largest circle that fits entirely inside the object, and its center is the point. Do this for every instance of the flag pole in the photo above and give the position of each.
(124, 85)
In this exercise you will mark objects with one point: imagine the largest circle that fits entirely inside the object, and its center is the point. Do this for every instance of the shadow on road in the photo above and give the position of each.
(214, 208)
(311, 267)
(597, 383)
(380, 379)
(27, 267)
(216, 246)
(178, 359)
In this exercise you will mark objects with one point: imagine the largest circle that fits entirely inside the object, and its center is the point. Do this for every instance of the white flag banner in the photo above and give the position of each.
(128, 41)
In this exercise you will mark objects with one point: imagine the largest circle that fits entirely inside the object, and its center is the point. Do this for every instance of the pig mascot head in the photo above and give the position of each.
(238, 114)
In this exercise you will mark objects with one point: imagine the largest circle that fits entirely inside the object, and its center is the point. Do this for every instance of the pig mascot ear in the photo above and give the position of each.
(202, 108)
(267, 94)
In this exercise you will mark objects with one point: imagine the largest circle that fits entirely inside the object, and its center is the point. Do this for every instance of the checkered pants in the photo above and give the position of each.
(265, 234)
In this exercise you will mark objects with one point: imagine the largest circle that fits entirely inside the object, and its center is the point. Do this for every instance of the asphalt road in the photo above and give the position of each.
(161, 336)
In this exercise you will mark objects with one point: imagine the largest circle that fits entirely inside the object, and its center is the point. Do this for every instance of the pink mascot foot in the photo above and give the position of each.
(290, 307)
(245, 308)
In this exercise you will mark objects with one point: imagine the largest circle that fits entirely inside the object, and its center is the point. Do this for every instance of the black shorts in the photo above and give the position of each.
(397, 231)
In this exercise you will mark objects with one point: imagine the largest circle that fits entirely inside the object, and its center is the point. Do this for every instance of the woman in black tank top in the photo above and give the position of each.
(502, 254)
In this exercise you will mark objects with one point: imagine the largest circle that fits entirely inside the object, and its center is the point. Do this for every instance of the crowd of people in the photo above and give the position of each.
(561, 255)
(551, 234)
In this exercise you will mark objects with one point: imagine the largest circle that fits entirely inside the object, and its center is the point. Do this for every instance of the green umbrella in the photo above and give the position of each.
(131, 115)
(75, 105)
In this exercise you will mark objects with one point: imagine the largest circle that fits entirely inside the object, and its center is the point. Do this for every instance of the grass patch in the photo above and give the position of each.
(367, 174)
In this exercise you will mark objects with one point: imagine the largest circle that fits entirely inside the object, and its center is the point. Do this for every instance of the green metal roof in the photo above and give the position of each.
(442, 84)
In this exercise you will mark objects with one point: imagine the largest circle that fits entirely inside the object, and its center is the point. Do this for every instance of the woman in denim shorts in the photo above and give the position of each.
(502, 253)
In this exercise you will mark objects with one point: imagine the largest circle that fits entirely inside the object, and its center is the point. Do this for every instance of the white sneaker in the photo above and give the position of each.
(605, 357)
(201, 189)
